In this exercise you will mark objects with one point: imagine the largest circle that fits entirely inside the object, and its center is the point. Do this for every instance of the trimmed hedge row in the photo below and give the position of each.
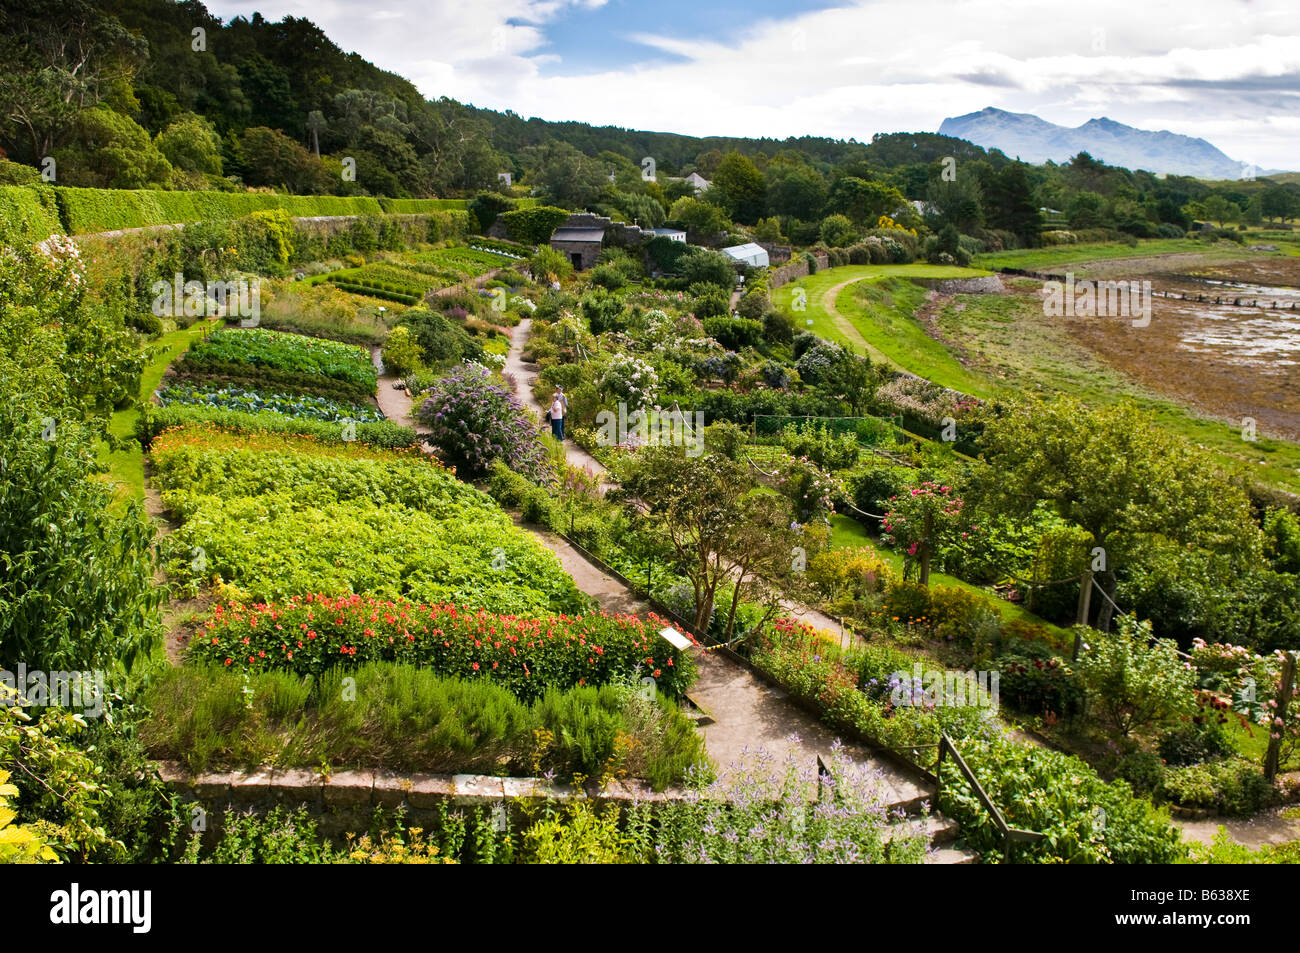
(423, 206)
(100, 210)
(28, 214)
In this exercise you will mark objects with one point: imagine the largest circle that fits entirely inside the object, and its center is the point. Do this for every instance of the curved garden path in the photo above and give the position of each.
(845, 326)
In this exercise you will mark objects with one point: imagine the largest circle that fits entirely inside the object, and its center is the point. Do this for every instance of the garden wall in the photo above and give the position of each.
(798, 268)
(346, 800)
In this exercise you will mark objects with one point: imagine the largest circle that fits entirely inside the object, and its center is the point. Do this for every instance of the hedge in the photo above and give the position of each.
(29, 214)
(424, 206)
(534, 226)
(98, 210)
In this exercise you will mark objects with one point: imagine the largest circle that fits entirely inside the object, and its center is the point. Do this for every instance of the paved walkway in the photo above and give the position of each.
(524, 374)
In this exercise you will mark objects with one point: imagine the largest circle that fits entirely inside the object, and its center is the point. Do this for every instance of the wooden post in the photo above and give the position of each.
(1284, 690)
(1085, 605)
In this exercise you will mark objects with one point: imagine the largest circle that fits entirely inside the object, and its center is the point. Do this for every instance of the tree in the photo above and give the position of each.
(923, 521)
(1280, 202)
(769, 230)
(955, 202)
(837, 231)
(1117, 474)
(276, 160)
(191, 144)
(1135, 681)
(720, 526)
(60, 57)
(864, 201)
(564, 175)
(1009, 203)
(111, 151)
(739, 188)
(1219, 209)
(797, 190)
(701, 219)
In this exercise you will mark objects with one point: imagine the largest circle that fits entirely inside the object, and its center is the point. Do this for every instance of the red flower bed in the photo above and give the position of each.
(311, 633)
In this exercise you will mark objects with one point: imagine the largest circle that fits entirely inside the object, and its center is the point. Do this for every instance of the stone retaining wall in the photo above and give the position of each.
(986, 284)
(346, 800)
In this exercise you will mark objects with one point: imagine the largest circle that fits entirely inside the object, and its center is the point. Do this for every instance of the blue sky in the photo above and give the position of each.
(591, 40)
(1225, 70)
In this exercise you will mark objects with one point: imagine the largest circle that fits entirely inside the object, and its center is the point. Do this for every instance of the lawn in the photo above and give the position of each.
(126, 464)
(884, 331)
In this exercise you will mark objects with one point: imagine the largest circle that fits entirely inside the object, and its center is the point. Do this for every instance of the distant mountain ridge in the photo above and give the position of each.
(1036, 140)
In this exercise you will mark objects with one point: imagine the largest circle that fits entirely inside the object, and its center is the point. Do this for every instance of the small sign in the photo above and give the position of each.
(675, 638)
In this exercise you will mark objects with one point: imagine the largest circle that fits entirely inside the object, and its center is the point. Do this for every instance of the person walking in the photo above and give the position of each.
(559, 409)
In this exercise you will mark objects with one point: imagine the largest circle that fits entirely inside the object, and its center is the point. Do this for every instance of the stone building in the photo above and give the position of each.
(580, 245)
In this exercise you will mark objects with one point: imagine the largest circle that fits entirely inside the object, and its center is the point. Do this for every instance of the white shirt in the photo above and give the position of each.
(558, 407)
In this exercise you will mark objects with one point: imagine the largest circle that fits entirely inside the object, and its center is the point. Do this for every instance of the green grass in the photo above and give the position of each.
(884, 332)
(126, 464)
(1058, 255)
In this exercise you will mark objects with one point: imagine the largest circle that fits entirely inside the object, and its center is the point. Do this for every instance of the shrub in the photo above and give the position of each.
(1231, 786)
(734, 333)
(778, 328)
(1135, 683)
(539, 508)
(533, 226)
(608, 277)
(1060, 796)
(401, 352)
(1038, 683)
(1194, 743)
(506, 486)
(474, 421)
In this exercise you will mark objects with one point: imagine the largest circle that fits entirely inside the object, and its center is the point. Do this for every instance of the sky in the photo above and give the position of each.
(1225, 70)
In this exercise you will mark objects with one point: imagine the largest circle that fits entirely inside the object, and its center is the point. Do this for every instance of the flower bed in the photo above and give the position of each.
(526, 655)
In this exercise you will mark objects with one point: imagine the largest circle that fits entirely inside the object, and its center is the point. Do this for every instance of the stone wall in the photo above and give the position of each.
(345, 801)
(795, 269)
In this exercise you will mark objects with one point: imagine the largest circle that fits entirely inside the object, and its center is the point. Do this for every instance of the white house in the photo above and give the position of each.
(676, 234)
(506, 177)
(751, 253)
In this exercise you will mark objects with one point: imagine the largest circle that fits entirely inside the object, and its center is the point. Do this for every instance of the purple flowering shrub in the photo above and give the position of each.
(475, 421)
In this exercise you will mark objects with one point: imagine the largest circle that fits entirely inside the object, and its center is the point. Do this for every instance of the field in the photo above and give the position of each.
(1001, 345)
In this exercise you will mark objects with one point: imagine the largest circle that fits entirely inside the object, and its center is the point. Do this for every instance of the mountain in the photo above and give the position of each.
(1037, 140)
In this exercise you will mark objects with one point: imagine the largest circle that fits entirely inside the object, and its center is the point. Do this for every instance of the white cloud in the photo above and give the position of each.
(881, 66)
